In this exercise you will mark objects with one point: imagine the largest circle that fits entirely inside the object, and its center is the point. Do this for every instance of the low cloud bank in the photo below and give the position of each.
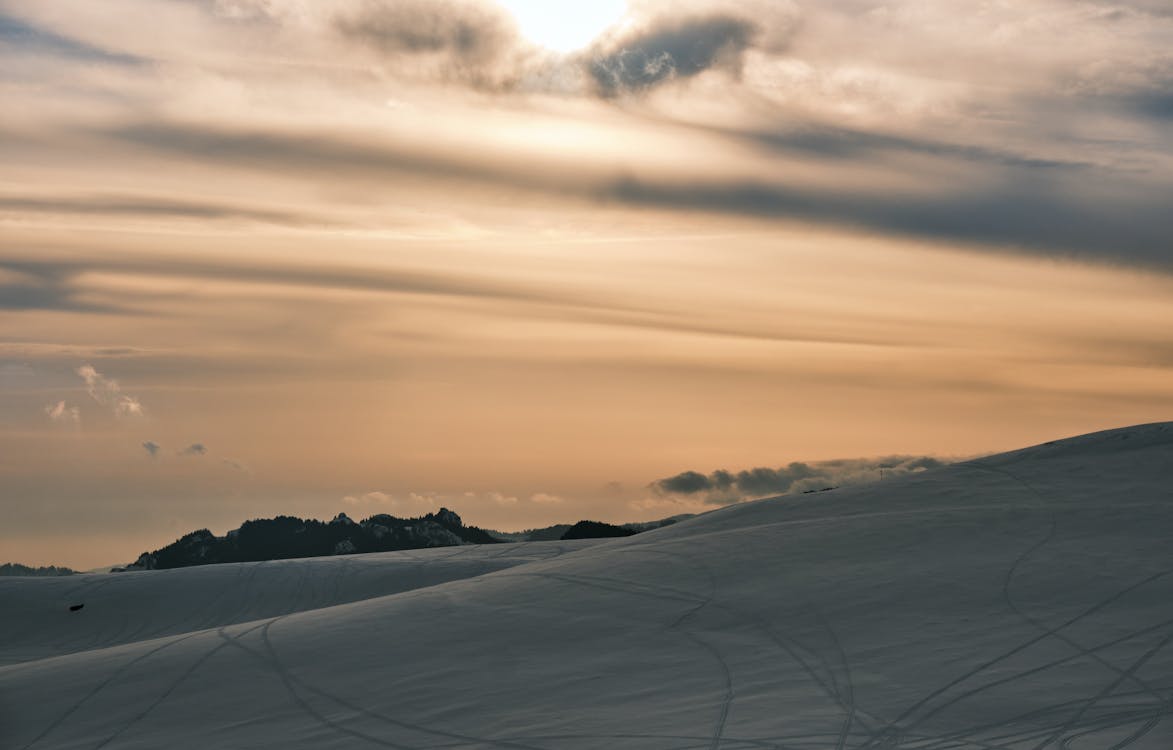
(724, 487)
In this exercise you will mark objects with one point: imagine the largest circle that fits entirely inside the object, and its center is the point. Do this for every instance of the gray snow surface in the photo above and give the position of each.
(1021, 602)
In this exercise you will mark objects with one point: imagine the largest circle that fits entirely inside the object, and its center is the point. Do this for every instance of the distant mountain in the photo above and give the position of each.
(286, 537)
(544, 534)
(16, 569)
(555, 532)
(649, 525)
(596, 530)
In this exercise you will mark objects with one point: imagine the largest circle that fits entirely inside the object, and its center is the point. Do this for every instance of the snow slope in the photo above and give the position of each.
(127, 607)
(1020, 601)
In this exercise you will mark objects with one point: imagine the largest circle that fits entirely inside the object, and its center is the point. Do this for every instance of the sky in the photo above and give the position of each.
(544, 261)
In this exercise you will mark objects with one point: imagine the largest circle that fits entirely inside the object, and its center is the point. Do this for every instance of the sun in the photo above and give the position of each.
(564, 25)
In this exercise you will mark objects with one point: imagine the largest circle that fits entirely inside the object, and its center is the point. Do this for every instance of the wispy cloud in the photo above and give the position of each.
(21, 37)
(63, 413)
(123, 205)
(407, 504)
(108, 393)
(235, 465)
(971, 192)
(501, 498)
(369, 498)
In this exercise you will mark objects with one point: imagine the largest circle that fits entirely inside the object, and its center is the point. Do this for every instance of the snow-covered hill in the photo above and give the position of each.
(1020, 601)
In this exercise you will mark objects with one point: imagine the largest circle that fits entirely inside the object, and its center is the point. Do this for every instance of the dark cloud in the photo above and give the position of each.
(307, 155)
(723, 487)
(119, 205)
(471, 41)
(36, 286)
(152, 448)
(760, 482)
(1024, 210)
(22, 37)
(466, 30)
(63, 275)
(1157, 105)
(830, 142)
(1117, 9)
(1140, 87)
(685, 483)
(41, 297)
(195, 449)
(671, 49)
(1018, 203)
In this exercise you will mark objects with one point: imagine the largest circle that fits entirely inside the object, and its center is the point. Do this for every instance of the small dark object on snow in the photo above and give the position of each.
(75, 607)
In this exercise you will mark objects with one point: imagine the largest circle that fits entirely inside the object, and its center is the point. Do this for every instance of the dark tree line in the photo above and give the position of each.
(286, 537)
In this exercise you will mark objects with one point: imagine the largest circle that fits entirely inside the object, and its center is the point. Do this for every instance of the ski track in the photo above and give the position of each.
(171, 688)
(290, 679)
(1045, 634)
(122, 669)
(1071, 724)
(849, 688)
(1056, 633)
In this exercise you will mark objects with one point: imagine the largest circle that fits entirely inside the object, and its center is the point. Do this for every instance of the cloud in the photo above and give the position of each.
(143, 206)
(685, 483)
(837, 143)
(67, 275)
(1008, 199)
(478, 44)
(195, 449)
(411, 504)
(666, 505)
(723, 487)
(235, 465)
(501, 498)
(63, 413)
(455, 40)
(19, 36)
(468, 30)
(108, 393)
(1024, 209)
(152, 448)
(36, 286)
(670, 49)
(367, 498)
(422, 502)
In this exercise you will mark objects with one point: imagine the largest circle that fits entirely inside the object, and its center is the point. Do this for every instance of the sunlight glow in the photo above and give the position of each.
(564, 26)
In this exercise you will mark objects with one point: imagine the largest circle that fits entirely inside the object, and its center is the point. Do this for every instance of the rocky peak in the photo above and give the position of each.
(449, 518)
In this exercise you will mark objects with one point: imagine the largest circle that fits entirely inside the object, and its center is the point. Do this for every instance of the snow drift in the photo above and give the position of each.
(1020, 601)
